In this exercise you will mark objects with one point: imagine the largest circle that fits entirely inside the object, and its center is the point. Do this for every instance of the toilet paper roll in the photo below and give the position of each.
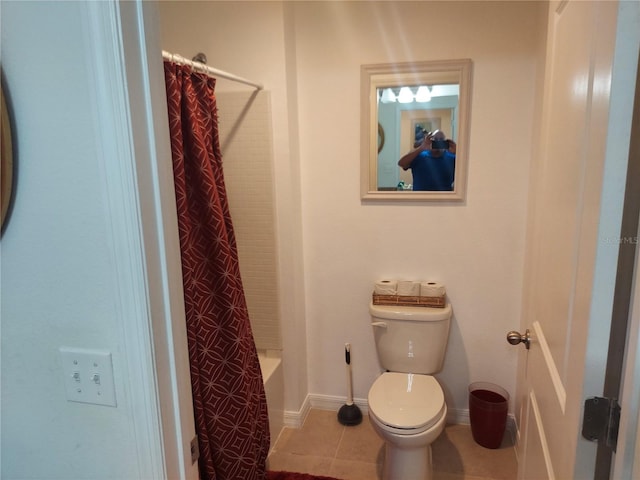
(432, 289)
(385, 287)
(408, 288)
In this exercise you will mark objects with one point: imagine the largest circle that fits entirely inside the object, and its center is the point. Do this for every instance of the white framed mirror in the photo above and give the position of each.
(403, 104)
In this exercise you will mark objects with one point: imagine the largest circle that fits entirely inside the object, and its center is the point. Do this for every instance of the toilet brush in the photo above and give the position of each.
(349, 414)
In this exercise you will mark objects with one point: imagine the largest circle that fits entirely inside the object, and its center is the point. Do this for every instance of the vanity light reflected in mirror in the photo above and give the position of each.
(400, 103)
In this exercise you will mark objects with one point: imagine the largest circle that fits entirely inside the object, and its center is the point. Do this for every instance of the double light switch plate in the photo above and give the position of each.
(88, 376)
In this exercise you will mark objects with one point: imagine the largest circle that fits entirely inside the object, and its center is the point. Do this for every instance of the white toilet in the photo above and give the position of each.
(406, 404)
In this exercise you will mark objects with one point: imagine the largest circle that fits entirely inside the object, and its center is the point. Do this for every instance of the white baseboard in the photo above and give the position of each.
(295, 419)
(333, 403)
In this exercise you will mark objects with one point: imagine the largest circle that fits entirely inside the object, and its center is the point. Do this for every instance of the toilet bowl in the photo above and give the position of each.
(408, 412)
(406, 403)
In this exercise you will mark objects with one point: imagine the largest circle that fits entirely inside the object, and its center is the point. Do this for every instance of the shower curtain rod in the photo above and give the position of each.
(213, 72)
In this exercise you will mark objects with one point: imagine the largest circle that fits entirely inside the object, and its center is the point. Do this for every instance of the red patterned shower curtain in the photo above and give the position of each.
(228, 393)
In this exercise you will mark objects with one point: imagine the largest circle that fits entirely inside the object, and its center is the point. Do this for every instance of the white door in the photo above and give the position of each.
(576, 206)
(627, 459)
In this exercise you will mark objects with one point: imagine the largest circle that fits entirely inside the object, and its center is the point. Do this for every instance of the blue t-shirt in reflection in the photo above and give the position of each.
(433, 173)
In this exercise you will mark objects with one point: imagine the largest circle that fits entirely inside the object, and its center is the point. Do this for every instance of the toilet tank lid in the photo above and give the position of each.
(421, 314)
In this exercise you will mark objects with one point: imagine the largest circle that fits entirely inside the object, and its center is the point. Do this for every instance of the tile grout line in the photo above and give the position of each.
(335, 453)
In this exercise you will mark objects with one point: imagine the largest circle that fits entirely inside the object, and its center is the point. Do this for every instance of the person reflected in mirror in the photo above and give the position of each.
(432, 161)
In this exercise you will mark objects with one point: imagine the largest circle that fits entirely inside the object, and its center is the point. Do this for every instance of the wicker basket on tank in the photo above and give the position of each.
(409, 301)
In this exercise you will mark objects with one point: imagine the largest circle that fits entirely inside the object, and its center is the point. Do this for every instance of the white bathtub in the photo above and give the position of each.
(273, 377)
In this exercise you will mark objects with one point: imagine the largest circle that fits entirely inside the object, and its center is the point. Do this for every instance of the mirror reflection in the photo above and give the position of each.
(432, 161)
(415, 128)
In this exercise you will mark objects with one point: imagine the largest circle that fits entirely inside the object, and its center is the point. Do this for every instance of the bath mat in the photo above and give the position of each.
(295, 476)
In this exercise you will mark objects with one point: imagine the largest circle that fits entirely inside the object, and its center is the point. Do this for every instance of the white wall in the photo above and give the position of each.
(476, 248)
(83, 253)
(57, 274)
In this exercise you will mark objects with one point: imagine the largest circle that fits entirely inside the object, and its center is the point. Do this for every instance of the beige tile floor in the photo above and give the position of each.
(324, 447)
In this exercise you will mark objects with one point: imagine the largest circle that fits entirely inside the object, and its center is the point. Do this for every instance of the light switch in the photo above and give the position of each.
(88, 376)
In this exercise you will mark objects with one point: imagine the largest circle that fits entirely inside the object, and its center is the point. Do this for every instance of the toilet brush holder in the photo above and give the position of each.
(349, 414)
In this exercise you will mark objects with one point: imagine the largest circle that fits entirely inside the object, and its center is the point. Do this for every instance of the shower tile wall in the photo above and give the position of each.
(246, 142)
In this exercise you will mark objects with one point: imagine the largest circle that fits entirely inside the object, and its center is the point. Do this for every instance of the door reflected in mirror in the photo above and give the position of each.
(414, 130)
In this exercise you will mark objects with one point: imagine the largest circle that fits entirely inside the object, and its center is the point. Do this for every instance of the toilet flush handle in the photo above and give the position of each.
(379, 324)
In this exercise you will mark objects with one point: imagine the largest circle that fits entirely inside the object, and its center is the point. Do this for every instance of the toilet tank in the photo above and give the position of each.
(411, 339)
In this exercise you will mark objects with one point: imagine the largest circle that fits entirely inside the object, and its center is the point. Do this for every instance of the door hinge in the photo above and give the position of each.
(601, 421)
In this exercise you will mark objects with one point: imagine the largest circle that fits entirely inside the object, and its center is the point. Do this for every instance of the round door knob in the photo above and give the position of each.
(514, 338)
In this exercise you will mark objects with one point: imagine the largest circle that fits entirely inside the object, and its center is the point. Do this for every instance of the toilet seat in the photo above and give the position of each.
(406, 403)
